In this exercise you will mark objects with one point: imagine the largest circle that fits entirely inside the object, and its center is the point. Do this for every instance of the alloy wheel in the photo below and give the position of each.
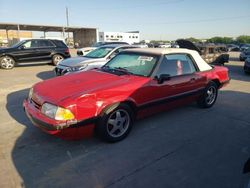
(118, 123)
(7, 63)
(211, 95)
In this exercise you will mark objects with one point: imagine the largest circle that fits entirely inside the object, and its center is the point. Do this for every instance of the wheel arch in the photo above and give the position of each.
(57, 53)
(217, 82)
(113, 105)
(2, 55)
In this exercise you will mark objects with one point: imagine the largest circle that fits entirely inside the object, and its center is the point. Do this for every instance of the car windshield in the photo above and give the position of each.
(131, 63)
(99, 52)
(18, 44)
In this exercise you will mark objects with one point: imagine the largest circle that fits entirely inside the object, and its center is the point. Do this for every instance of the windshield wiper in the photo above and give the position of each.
(116, 69)
(123, 70)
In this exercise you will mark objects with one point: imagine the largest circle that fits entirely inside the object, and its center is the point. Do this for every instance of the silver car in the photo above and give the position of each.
(94, 59)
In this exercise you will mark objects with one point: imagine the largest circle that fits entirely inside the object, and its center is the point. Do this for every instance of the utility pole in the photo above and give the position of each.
(67, 16)
(67, 19)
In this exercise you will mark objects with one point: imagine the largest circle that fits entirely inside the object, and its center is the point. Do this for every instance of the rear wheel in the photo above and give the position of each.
(115, 123)
(56, 59)
(209, 96)
(7, 62)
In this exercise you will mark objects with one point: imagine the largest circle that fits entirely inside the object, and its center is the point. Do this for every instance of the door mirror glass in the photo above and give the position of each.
(22, 47)
(162, 78)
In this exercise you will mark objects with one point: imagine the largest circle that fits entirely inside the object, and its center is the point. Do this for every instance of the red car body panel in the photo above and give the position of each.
(88, 93)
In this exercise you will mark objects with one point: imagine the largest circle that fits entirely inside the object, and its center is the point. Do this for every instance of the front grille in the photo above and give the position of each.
(58, 71)
(79, 53)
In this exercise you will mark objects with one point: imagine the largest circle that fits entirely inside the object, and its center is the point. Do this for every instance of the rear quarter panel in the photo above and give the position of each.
(219, 73)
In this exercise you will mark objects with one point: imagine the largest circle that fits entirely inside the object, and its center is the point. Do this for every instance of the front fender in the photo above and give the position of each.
(103, 105)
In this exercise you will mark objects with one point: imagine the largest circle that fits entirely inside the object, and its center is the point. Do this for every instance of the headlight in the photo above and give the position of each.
(78, 68)
(30, 93)
(56, 112)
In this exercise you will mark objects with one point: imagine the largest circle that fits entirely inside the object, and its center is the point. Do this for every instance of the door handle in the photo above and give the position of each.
(192, 80)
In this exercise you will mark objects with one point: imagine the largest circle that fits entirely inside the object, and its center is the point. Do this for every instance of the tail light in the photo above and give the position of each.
(67, 51)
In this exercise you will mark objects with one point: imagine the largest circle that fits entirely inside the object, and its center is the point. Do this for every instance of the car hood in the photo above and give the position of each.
(5, 49)
(188, 45)
(78, 61)
(72, 86)
(87, 48)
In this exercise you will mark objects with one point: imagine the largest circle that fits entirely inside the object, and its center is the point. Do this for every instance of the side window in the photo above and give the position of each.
(116, 52)
(211, 50)
(44, 43)
(176, 64)
(27, 44)
(34, 44)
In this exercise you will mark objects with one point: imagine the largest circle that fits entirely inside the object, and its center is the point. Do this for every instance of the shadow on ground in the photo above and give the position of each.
(46, 75)
(185, 147)
(236, 72)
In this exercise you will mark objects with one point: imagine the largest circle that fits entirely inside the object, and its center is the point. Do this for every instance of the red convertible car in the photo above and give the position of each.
(134, 84)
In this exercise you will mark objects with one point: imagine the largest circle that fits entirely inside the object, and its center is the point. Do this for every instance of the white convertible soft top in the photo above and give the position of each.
(201, 63)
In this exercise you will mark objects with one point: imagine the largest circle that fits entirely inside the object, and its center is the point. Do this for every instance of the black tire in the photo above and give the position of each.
(56, 59)
(246, 72)
(209, 96)
(7, 62)
(104, 127)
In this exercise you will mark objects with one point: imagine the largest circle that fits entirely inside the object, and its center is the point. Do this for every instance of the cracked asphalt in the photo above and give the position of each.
(185, 147)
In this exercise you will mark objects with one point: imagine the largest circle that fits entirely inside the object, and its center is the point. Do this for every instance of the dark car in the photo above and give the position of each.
(33, 51)
(244, 54)
(247, 65)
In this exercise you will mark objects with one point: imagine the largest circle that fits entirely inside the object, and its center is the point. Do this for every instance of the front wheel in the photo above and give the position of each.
(209, 96)
(7, 62)
(115, 123)
(56, 59)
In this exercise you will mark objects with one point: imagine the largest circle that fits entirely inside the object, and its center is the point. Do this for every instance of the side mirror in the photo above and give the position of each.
(112, 55)
(21, 47)
(162, 78)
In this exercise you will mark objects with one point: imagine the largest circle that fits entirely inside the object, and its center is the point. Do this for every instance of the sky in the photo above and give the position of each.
(155, 19)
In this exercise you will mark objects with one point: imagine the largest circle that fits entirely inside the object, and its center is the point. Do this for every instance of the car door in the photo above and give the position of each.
(44, 49)
(182, 80)
(25, 52)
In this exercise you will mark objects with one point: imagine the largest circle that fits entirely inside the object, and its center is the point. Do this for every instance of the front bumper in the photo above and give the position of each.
(60, 70)
(247, 68)
(61, 129)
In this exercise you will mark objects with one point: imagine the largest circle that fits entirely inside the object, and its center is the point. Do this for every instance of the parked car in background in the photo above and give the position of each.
(162, 45)
(33, 51)
(244, 47)
(244, 54)
(233, 48)
(86, 50)
(247, 65)
(141, 45)
(211, 53)
(133, 84)
(94, 59)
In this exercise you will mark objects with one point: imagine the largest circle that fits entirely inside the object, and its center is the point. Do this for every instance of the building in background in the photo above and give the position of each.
(11, 36)
(83, 36)
(129, 37)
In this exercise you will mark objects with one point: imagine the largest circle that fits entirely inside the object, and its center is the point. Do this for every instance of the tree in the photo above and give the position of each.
(192, 39)
(243, 39)
(223, 40)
